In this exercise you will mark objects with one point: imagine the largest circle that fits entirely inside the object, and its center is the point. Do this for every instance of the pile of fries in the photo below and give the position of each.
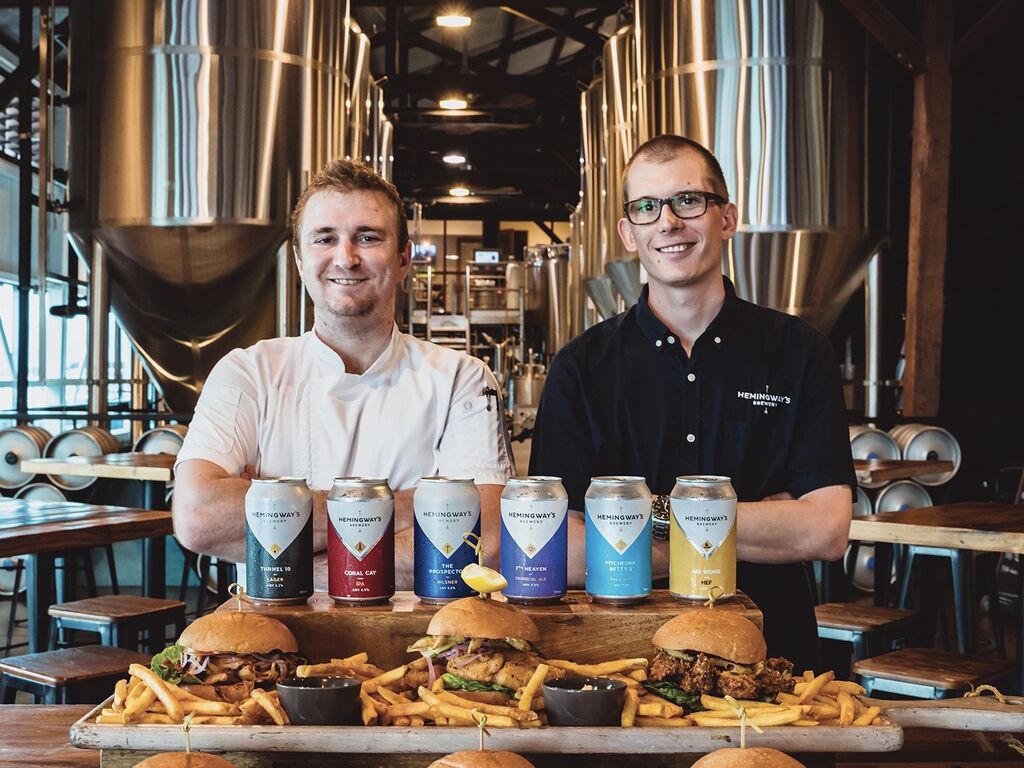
(145, 697)
(399, 697)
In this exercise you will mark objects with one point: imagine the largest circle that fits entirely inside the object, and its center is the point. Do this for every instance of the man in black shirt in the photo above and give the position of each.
(694, 380)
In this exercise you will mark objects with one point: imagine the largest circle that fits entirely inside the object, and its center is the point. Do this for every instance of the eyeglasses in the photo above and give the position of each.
(685, 205)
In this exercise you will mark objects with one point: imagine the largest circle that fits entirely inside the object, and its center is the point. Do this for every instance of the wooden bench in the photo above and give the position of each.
(83, 675)
(869, 628)
(925, 673)
(120, 620)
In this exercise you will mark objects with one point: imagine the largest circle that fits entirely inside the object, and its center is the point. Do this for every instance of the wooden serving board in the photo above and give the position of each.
(978, 713)
(575, 629)
(441, 740)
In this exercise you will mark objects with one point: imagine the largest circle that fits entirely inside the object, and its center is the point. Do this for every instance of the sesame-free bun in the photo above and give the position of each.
(475, 758)
(715, 632)
(185, 760)
(486, 619)
(752, 757)
(234, 632)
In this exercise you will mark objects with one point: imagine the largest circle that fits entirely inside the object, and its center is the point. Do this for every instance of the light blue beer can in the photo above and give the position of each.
(618, 533)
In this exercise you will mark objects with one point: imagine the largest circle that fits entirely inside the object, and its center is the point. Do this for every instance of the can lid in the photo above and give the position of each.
(534, 480)
(703, 479)
(360, 481)
(280, 480)
(442, 479)
(617, 479)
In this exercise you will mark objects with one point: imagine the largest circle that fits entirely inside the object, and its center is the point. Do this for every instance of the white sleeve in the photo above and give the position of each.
(474, 443)
(224, 429)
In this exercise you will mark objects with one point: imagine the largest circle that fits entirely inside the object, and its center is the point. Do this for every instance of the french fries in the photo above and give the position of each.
(604, 669)
(531, 687)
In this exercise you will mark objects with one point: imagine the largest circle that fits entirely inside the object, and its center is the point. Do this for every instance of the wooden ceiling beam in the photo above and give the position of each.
(564, 25)
(889, 31)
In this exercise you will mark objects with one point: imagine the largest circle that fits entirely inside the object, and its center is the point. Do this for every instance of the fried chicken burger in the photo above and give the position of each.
(475, 644)
(225, 654)
(716, 652)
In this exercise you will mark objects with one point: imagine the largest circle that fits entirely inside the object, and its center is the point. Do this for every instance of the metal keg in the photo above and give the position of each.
(166, 439)
(862, 503)
(923, 442)
(860, 567)
(84, 441)
(16, 445)
(903, 494)
(40, 492)
(867, 442)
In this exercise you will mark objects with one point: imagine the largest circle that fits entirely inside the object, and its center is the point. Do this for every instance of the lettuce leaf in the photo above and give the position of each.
(672, 692)
(456, 683)
(167, 664)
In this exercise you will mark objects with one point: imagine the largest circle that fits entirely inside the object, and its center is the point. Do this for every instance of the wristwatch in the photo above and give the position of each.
(661, 507)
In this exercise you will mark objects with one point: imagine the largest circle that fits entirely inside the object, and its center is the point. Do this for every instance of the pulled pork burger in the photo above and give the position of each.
(225, 654)
(715, 652)
(481, 645)
(481, 758)
(752, 757)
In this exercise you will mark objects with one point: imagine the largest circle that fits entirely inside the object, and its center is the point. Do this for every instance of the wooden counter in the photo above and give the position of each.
(575, 629)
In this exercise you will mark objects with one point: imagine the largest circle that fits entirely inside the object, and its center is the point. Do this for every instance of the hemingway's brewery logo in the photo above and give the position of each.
(702, 542)
(279, 540)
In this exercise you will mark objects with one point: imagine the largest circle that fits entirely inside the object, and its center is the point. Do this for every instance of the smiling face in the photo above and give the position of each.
(349, 257)
(677, 253)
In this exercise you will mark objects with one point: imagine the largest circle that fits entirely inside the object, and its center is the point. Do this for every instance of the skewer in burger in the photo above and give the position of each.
(481, 758)
(715, 652)
(185, 760)
(752, 757)
(225, 654)
(480, 645)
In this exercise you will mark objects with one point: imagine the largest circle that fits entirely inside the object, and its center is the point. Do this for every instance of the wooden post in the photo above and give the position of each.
(929, 198)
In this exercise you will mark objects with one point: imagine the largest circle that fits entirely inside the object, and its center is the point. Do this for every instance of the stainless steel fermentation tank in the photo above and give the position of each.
(776, 89)
(195, 125)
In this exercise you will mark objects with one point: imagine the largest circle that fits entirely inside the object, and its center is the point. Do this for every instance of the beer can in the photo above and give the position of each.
(361, 541)
(618, 534)
(702, 537)
(444, 510)
(534, 539)
(279, 540)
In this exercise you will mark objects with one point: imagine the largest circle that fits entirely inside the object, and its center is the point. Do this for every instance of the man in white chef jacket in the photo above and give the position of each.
(352, 397)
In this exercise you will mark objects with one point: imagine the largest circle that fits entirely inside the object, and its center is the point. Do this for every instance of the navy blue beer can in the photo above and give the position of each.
(445, 509)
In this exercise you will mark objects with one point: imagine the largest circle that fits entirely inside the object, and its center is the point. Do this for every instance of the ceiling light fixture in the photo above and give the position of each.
(454, 159)
(458, 192)
(453, 103)
(453, 20)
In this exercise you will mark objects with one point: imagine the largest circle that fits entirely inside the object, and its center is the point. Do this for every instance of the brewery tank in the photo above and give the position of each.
(194, 128)
(776, 90)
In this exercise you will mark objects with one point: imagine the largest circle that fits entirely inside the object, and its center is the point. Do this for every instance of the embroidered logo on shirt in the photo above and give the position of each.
(764, 399)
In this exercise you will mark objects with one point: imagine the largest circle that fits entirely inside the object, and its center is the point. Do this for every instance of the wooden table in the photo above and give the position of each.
(871, 471)
(42, 529)
(974, 526)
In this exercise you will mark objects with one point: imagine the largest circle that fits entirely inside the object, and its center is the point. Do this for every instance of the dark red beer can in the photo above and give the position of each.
(360, 541)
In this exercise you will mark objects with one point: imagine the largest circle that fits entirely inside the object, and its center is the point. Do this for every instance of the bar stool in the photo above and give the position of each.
(83, 675)
(924, 673)
(119, 620)
(958, 563)
(868, 628)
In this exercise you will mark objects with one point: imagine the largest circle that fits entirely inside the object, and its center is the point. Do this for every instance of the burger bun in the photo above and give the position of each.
(185, 760)
(715, 632)
(475, 758)
(752, 757)
(486, 619)
(235, 632)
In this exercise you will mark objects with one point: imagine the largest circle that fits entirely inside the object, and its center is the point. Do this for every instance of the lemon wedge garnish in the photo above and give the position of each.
(482, 579)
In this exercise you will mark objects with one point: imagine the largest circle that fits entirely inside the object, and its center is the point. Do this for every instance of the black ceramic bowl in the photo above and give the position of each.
(593, 701)
(321, 700)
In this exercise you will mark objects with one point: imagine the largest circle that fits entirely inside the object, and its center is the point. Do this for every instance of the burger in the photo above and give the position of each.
(185, 760)
(480, 758)
(753, 757)
(715, 652)
(480, 645)
(225, 654)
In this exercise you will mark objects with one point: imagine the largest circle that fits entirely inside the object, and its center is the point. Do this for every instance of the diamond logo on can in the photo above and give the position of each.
(532, 522)
(445, 527)
(360, 524)
(619, 521)
(275, 526)
(706, 523)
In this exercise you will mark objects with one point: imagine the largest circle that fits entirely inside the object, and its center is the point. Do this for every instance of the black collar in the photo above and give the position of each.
(719, 328)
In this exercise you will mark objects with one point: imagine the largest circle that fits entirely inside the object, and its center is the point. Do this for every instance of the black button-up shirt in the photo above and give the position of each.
(759, 399)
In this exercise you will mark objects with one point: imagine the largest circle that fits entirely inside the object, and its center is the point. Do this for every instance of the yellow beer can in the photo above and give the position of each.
(702, 537)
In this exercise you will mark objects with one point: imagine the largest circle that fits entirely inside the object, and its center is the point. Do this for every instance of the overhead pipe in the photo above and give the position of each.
(24, 204)
(873, 333)
(99, 330)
